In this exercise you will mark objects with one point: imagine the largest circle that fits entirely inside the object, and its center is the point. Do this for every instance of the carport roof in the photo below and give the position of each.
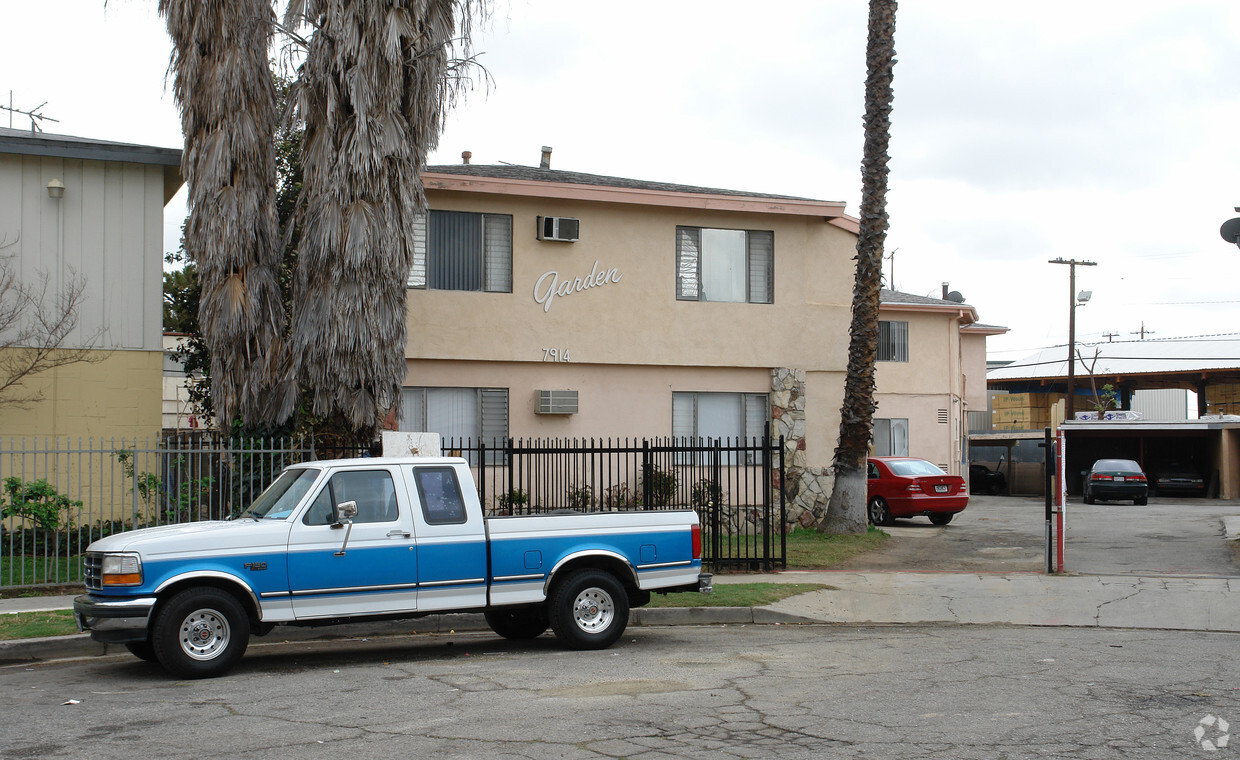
(1170, 363)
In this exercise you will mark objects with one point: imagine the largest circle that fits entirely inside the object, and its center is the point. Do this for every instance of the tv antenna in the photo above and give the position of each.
(34, 114)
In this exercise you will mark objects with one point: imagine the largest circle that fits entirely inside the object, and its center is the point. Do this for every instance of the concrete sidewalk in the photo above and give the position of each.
(1165, 602)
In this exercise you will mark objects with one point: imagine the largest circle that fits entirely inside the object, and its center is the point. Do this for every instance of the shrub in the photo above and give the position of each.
(580, 498)
(660, 487)
(618, 497)
(707, 493)
(39, 502)
(511, 502)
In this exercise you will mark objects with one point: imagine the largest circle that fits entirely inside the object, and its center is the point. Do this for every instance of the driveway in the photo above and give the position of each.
(1007, 534)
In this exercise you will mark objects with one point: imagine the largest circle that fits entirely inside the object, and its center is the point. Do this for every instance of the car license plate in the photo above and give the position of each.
(940, 489)
(1119, 478)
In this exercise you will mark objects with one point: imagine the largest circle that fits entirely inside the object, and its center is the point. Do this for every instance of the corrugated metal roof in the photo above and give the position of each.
(1136, 357)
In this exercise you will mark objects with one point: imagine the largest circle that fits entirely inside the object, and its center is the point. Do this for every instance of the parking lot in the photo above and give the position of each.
(1168, 536)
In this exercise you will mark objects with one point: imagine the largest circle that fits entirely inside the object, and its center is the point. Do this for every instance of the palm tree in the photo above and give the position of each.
(847, 505)
(371, 93)
(222, 85)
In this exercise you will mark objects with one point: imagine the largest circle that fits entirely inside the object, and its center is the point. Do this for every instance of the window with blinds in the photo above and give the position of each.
(463, 416)
(719, 416)
(892, 341)
(733, 266)
(891, 437)
(458, 250)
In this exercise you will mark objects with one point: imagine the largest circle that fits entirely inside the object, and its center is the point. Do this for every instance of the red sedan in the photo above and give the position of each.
(908, 487)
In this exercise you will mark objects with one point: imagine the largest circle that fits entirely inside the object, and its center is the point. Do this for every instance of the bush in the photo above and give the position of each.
(707, 493)
(511, 502)
(618, 497)
(580, 498)
(38, 502)
(660, 487)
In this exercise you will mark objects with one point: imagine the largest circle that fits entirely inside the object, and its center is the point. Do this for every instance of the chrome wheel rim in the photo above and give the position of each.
(204, 634)
(593, 610)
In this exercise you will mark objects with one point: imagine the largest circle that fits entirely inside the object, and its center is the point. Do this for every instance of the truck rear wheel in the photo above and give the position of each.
(200, 633)
(589, 609)
(517, 623)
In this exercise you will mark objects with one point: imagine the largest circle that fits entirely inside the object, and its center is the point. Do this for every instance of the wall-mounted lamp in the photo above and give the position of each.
(55, 189)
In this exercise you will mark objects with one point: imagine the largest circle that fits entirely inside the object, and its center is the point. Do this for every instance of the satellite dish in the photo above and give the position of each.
(1231, 231)
(955, 294)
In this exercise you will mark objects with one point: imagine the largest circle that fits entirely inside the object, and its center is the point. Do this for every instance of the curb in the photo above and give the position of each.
(28, 651)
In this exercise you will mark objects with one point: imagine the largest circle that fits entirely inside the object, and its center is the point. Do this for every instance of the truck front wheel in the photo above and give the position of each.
(589, 609)
(200, 633)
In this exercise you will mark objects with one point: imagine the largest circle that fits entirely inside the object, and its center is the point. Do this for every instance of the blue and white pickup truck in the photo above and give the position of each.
(342, 541)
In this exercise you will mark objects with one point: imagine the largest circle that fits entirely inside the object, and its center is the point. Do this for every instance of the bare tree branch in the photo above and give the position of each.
(36, 321)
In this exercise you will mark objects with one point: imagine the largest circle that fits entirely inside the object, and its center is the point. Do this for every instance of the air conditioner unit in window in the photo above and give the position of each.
(562, 228)
(557, 402)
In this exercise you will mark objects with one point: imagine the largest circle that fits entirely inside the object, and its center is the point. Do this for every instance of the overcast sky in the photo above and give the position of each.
(1103, 130)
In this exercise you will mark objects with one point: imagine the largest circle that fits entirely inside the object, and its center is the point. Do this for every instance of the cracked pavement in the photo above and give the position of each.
(736, 691)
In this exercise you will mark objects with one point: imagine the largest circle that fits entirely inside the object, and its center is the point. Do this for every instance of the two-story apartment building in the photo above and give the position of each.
(89, 213)
(554, 304)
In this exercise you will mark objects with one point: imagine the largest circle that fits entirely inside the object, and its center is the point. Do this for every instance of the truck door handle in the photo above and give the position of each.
(399, 534)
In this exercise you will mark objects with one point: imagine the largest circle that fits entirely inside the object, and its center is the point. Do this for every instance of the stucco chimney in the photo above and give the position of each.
(465, 156)
(546, 158)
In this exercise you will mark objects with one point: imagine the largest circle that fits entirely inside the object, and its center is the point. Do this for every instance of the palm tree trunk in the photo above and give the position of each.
(846, 507)
(223, 87)
(371, 94)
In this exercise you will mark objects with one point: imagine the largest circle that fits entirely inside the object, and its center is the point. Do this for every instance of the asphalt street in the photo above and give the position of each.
(788, 691)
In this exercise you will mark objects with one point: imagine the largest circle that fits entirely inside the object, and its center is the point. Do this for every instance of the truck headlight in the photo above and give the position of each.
(121, 570)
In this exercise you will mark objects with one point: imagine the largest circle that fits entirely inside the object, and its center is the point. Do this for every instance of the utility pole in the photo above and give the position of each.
(1072, 265)
(1110, 336)
(1143, 331)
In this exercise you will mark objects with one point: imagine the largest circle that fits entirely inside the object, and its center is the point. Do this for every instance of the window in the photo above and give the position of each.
(463, 416)
(892, 341)
(720, 416)
(457, 250)
(725, 265)
(440, 494)
(891, 437)
(372, 491)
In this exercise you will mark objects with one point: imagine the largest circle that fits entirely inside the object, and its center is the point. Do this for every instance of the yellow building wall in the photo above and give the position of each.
(118, 396)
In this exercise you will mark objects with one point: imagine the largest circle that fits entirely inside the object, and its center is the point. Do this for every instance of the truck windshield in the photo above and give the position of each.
(282, 496)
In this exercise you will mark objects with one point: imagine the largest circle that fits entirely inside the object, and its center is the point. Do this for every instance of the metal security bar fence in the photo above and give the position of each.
(729, 482)
(57, 496)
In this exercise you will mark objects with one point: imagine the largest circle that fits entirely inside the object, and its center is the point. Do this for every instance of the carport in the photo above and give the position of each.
(1210, 447)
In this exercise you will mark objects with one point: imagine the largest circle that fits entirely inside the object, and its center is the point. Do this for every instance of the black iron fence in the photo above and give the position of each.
(58, 496)
(729, 482)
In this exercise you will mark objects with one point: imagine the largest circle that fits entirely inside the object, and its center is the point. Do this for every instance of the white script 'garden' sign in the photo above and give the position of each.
(550, 285)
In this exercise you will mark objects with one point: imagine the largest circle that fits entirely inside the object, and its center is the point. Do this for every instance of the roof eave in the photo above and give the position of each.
(829, 210)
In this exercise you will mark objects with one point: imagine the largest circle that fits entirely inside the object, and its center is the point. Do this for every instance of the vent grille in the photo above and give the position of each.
(93, 571)
(943, 416)
(557, 402)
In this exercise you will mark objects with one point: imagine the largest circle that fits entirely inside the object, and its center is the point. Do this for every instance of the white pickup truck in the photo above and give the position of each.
(346, 540)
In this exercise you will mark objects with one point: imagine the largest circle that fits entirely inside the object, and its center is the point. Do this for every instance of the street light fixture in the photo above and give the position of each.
(1231, 230)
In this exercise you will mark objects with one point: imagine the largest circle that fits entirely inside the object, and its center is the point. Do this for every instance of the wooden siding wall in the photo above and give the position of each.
(110, 230)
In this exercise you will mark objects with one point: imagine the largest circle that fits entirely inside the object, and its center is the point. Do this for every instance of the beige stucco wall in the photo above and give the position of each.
(638, 320)
(929, 381)
(973, 362)
(614, 401)
(120, 396)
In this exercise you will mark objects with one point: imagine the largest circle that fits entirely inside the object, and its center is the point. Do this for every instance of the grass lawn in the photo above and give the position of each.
(806, 550)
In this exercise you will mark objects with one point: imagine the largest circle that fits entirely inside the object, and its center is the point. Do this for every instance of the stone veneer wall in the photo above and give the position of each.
(807, 489)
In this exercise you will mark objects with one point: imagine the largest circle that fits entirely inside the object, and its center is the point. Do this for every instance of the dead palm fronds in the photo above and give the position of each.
(371, 94)
(223, 86)
(847, 505)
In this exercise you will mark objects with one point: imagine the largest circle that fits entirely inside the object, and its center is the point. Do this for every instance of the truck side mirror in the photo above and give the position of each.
(345, 512)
